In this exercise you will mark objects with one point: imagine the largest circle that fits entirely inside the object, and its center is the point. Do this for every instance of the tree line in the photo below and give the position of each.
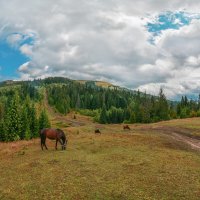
(118, 105)
(19, 118)
(22, 114)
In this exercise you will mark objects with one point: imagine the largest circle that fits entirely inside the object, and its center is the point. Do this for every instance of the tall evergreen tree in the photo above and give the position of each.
(163, 108)
(44, 120)
(13, 120)
(103, 115)
(34, 124)
(25, 125)
(2, 131)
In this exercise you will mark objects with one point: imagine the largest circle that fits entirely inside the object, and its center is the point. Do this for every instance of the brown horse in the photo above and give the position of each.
(53, 134)
(97, 131)
(126, 127)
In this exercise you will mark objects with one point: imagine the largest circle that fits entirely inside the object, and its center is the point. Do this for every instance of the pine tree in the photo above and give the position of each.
(103, 115)
(1, 110)
(2, 131)
(163, 108)
(13, 120)
(25, 124)
(34, 124)
(44, 120)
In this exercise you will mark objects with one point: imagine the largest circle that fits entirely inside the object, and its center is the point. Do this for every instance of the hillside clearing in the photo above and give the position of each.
(118, 164)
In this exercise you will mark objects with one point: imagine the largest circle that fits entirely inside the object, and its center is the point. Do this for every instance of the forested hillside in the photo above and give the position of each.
(19, 116)
(22, 113)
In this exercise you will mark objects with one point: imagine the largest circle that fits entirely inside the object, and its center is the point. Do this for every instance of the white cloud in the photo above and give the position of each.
(183, 42)
(14, 39)
(26, 49)
(104, 40)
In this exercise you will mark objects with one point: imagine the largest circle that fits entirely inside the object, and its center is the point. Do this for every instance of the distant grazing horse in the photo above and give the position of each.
(97, 131)
(53, 134)
(126, 127)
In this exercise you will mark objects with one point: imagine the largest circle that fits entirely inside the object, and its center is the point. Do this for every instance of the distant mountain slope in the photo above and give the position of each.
(97, 83)
(105, 102)
(63, 80)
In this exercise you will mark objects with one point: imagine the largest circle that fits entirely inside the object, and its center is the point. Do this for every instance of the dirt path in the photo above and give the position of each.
(65, 119)
(194, 143)
(180, 135)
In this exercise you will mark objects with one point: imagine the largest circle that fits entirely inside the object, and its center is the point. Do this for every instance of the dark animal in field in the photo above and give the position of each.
(126, 127)
(53, 134)
(97, 131)
(74, 116)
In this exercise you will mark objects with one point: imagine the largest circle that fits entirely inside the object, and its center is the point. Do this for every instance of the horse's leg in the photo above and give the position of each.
(45, 143)
(60, 142)
(56, 144)
(65, 143)
(41, 144)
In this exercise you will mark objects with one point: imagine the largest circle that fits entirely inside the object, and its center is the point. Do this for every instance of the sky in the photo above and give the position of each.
(145, 45)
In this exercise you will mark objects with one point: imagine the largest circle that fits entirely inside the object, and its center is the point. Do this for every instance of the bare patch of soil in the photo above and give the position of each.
(181, 135)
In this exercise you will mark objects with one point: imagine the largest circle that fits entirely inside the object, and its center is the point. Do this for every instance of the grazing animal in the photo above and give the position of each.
(53, 134)
(126, 127)
(97, 131)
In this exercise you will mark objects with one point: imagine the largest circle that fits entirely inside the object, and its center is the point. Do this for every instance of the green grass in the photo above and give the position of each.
(115, 165)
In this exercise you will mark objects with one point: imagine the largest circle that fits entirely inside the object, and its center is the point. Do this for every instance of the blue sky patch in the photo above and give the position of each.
(11, 57)
(170, 20)
(10, 60)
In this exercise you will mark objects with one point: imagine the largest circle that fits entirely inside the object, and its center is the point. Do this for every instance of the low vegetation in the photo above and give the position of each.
(146, 162)
(22, 105)
(118, 164)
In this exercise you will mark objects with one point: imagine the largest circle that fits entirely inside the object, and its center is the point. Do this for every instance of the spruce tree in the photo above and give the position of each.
(13, 120)
(25, 124)
(34, 124)
(132, 117)
(103, 115)
(44, 120)
(1, 110)
(163, 108)
(2, 131)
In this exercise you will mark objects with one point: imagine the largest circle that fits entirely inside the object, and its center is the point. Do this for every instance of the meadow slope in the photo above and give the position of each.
(143, 163)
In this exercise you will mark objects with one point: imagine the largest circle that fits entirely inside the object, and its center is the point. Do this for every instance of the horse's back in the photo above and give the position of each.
(49, 133)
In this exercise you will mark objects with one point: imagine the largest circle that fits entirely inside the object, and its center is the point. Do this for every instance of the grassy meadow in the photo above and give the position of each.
(118, 164)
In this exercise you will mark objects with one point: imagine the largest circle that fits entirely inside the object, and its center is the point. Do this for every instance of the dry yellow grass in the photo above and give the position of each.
(97, 83)
(136, 164)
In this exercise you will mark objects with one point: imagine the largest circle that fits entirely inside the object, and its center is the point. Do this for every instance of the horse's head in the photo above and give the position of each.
(64, 147)
(64, 143)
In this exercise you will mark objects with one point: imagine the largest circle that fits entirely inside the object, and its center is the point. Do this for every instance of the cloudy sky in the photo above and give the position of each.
(137, 44)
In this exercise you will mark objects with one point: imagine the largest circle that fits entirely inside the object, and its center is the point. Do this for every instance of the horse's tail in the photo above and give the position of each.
(42, 139)
(42, 135)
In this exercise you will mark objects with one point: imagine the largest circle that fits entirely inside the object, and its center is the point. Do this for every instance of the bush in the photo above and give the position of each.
(126, 122)
(87, 112)
(183, 113)
(193, 114)
(198, 113)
